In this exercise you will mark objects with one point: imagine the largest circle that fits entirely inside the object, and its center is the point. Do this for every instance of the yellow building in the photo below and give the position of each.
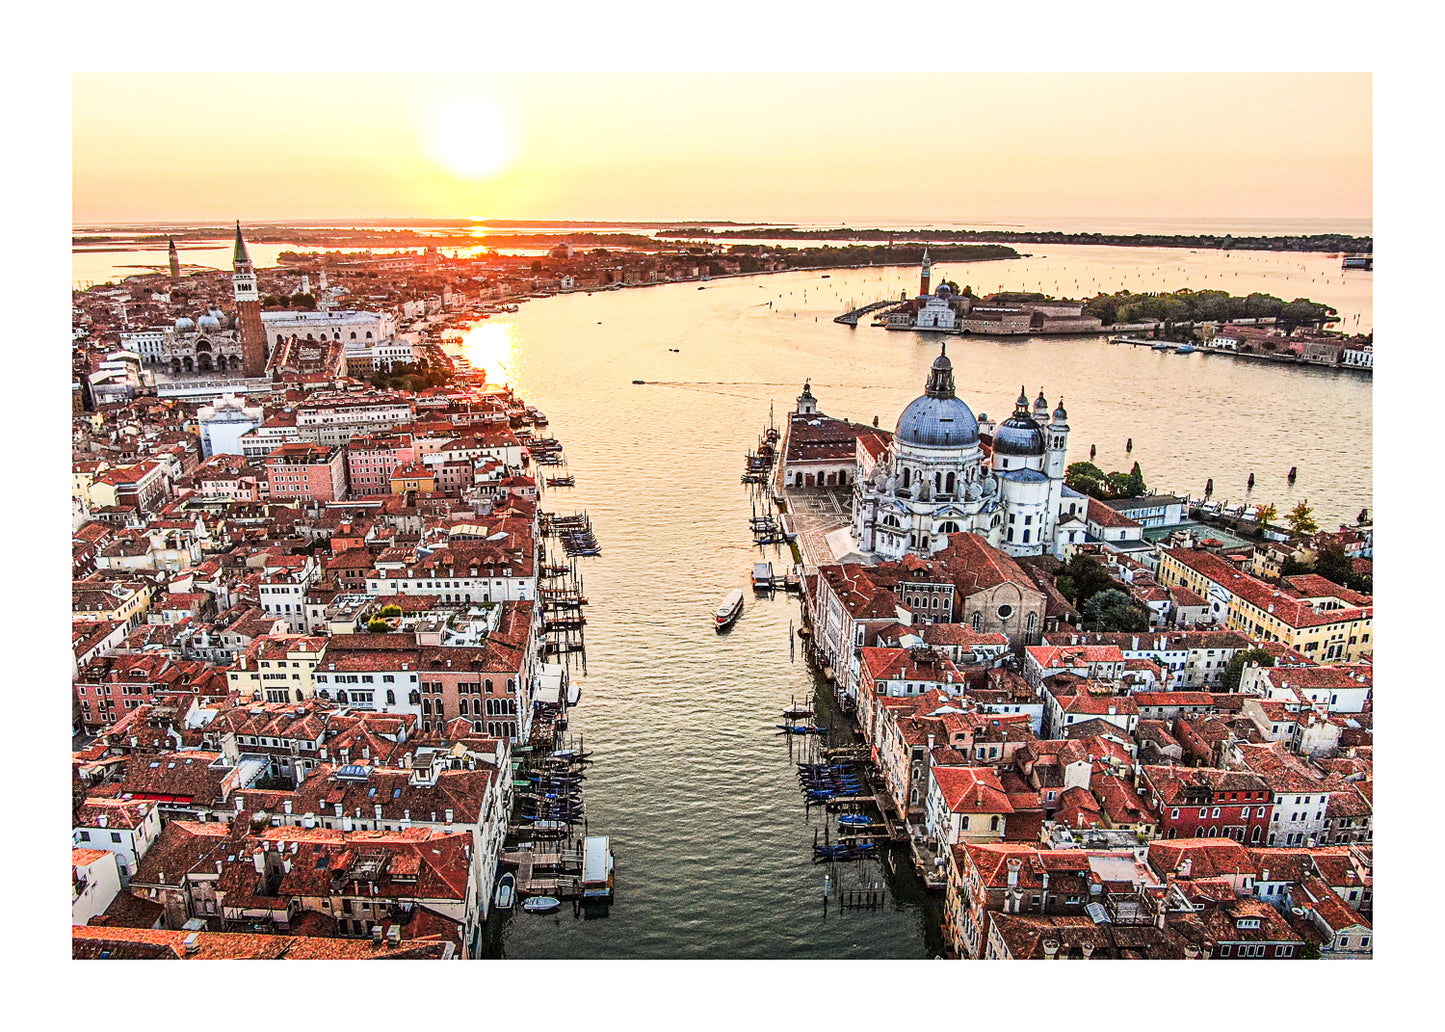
(277, 668)
(412, 478)
(118, 601)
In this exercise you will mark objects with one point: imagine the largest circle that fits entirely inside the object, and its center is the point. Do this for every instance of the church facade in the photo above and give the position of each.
(941, 475)
(216, 343)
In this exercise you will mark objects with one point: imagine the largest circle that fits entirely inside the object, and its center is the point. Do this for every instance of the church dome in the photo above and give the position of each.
(938, 419)
(184, 323)
(208, 322)
(1018, 435)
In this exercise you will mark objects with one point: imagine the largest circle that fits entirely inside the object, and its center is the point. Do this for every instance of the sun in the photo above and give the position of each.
(471, 139)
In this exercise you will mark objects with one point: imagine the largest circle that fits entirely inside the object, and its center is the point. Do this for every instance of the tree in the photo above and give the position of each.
(1234, 669)
(391, 610)
(378, 626)
(1114, 610)
(1081, 578)
(1086, 478)
(1301, 520)
(1268, 513)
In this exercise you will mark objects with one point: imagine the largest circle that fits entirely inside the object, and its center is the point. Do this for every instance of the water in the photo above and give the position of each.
(698, 793)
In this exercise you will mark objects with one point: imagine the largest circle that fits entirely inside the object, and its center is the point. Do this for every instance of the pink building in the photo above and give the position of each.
(307, 471)
(371, 460)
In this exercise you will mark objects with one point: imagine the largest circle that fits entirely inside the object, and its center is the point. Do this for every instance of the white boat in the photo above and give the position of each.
(541, 904)
(729, 609)
(597, 867)
(762, 576)
(506, 891)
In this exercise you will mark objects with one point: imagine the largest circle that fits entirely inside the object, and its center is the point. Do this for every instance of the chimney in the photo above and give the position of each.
(1185, 867)
(103, 820)
(1051, 949)
(286, 805)
(1088, 949)
(1014, 865)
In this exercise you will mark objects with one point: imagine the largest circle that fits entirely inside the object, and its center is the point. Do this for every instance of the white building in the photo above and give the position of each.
(339, 325)
(936, 313)
(933, 480)
(124, 827)
(94, 883)
(224, 422)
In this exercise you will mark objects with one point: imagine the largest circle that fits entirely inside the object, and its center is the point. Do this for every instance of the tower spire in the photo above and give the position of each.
(175, 259)
(240, 254)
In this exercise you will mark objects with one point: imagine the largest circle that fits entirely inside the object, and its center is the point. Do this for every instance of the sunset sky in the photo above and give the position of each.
(767, 147)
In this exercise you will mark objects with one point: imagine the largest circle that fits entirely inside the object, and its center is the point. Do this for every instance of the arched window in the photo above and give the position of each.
(1033, 619)
(299, 696)
(993, 823)
(341, 697)
(511, 684)
(414, 697)
(462, 707)
(487, 684)
(477, 726)
(390, 697)
(977, 621)
(906, 474)
(368, 334)
(964, 824)
(353, 334)
(426, 707)
(950, 483)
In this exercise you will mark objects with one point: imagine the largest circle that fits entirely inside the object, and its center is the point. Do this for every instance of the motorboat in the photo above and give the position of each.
(541, 904)
(506, 891)
(729, 609)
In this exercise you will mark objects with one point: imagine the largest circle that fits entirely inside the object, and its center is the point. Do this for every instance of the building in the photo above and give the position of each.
(224, 422)
(311, 472)
(934, 479)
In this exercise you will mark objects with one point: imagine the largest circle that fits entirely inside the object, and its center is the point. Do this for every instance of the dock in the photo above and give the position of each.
(851, 318)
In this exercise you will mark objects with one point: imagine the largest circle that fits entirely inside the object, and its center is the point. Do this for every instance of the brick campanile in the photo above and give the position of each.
(248, 311)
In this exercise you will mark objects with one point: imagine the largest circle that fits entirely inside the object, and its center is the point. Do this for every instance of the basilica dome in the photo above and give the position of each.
(938, 419)
(1018, 435)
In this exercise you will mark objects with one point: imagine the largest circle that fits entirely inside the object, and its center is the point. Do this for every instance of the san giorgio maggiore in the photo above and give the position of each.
(944, 472)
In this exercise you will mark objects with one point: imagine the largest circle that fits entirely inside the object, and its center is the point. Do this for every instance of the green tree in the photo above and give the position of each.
(1301, 520)
(1114, 610)
(378, 626)
(1086, 478)
(1081, 578)
(1234, 669)
(390, 610)
(1268, 513)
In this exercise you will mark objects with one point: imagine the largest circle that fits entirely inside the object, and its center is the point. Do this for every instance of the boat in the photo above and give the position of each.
(798, 713)
(639, 381)
(1358, 261)
(541, 904)
(597, 870)
(506, 891)
(729, 609)
(1185, 349)
(1161, 346)
(800, 729)
(762, 576)
(855, 820)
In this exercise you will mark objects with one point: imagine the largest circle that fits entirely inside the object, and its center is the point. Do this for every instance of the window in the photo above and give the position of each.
(115, 836)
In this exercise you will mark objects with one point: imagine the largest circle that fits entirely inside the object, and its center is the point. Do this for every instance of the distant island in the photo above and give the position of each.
(1326, 242)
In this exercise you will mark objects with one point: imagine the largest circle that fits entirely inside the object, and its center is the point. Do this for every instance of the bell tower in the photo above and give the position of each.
(927, 274)
(175, 262)
(248, 311)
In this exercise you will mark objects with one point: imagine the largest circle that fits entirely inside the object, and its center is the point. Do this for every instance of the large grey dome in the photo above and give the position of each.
(1018, 435)
(938, 419)
(938, 422)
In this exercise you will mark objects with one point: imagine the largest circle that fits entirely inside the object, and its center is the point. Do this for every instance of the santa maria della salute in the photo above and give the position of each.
(944, 471)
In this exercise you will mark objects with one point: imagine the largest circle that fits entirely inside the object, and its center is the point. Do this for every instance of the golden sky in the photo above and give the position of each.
(767, 147)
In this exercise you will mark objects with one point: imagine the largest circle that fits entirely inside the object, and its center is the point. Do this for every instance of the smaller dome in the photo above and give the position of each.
(208, 322)
(1023, 402)
(1018, 435)
(943, 290)
(1060, 415)
(185, 324)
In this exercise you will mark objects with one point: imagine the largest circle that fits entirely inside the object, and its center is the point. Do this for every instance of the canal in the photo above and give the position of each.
(697, 791)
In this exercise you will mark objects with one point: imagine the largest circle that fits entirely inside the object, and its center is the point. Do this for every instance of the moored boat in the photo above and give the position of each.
(729, 609)
(541, 904)
(506, 891)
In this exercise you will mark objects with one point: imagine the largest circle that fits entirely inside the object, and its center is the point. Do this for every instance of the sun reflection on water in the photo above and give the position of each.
(492, 346)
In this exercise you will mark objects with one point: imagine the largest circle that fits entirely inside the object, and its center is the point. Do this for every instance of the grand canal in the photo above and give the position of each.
(696, 790)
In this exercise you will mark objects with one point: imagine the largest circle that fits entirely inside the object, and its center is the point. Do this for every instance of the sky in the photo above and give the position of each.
(743, 147)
